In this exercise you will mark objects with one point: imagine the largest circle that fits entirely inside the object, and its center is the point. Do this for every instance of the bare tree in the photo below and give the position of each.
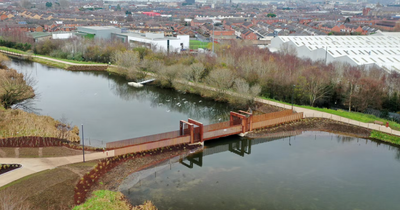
(129, 60)
(288, 49)
(4, 61)
(194, 72)
(352, 76)
(317, 85)
(15, 87)
(221, 80)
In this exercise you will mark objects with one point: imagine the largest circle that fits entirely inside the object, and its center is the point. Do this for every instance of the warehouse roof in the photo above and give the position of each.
(383, 51)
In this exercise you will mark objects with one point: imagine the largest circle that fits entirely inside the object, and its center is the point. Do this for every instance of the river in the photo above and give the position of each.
(111, 110)
(313, 170)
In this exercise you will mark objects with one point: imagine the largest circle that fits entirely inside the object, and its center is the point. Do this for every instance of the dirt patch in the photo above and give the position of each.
(315, 124)
(50, 189)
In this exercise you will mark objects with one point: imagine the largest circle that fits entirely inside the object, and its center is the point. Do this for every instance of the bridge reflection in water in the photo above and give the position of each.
(240, 146)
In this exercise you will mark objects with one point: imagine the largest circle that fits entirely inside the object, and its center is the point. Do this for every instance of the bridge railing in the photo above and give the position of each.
(277, 121)
(216, 126)
(153, 145)
(268, 116)
(236, 129)
(143, 139)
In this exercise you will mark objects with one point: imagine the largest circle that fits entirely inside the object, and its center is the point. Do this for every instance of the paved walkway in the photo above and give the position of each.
(314, 113)
(52, 59)
(34, 165)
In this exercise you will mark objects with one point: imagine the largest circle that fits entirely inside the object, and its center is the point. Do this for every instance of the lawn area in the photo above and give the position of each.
(50, 189)
(105, 199)
(51, 63)
(71, 61)
(195, 44)
(66, 60)
(12, 50)
(366, 118)
(385, 137)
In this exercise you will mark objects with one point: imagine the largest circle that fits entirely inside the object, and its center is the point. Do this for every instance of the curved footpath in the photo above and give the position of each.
(309, 113)
(34, 165)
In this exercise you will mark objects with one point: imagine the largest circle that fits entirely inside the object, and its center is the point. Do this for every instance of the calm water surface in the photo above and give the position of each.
(110, 109)
(314, 170)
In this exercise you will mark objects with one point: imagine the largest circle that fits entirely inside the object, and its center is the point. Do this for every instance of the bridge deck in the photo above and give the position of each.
(188, 133)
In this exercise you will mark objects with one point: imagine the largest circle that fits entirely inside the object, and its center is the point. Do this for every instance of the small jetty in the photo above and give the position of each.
(140, 84)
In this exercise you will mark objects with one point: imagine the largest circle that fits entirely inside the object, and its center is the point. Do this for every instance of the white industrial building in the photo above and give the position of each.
(383, 51)
(156, 41)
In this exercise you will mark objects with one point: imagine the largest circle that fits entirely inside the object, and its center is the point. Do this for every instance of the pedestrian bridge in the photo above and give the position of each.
(192, 131)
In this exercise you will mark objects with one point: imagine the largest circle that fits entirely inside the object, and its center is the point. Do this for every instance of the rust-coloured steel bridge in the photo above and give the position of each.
(192, 131)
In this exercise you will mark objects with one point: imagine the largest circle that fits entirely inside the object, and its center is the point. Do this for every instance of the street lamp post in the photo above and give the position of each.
(213, 38)
(293, 95)
(83, 145)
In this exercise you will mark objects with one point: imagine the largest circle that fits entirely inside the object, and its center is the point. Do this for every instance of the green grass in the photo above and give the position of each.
(195, 44)
(71, 61)
(104, 199)
(51, 63)
(12, 50)
(366, 118)
(23, 179)
(385, 137)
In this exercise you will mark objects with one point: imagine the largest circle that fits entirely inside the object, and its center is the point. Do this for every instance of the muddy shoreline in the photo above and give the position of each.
(314, 124)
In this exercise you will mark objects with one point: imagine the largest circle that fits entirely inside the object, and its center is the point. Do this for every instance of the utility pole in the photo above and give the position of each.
(213, 38)
(83, 145)
(292, 96)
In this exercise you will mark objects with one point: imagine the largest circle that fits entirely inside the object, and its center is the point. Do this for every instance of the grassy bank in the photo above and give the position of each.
(385, 137)
(105, 199)
(42, 60)
(16, 123)
(71, 61)
(366, 118)
(12, 50)
(50, 189)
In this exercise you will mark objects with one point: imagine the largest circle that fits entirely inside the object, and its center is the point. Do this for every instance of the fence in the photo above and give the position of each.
(143, 139)
(277, 121)
(153, 145)
(263, 117)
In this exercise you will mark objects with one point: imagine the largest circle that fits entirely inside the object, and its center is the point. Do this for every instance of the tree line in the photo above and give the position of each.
(244, 69)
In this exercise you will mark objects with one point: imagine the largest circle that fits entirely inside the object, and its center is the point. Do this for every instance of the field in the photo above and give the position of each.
(195, 44)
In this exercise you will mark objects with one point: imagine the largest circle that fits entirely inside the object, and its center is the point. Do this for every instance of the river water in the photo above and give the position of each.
(314, 170)
(111, 110)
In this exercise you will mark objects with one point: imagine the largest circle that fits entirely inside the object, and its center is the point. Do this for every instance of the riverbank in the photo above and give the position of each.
(56, 188)
(327, 125)
(18, 123)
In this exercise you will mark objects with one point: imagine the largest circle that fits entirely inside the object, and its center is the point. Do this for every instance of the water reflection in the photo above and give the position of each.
(110, 109)
(317, 171)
